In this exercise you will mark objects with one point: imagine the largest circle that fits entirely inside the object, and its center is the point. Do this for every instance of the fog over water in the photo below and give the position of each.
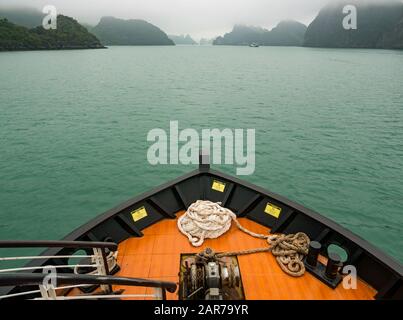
(200, 18)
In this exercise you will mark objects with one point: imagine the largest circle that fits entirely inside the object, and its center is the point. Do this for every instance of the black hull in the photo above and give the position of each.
(247, 200)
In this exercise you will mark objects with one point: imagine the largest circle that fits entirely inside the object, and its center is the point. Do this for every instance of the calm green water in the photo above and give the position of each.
(73, 127)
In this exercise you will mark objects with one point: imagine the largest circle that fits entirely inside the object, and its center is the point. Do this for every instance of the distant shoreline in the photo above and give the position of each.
(53, 49)
(107, 47)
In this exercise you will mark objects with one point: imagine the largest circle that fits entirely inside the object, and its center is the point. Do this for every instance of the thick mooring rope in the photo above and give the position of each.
(208, 220)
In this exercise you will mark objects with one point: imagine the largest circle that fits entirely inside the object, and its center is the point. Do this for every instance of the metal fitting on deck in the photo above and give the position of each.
(313, 253)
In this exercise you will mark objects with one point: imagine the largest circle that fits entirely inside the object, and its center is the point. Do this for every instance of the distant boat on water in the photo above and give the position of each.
(254, 45)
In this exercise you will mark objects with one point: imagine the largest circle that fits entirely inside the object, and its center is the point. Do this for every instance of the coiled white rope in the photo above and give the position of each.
(205, 220)
(208, 220)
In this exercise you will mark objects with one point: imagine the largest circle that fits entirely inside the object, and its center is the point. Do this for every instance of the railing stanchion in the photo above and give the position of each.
(48, 292)
(106, 266)
(99, 274)
(102, 266)
(159, 293)
(105, 261)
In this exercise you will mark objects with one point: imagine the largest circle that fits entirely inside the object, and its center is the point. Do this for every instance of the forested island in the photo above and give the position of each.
(379, 26)
(286, 33)
(68, 35)
(182, 39)
(21, 29)
(113, 31)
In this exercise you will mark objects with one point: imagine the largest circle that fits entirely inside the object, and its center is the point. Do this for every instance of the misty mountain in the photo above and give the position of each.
(26, 17)
(68, 35)
(241, 35)
(206, 42)
(182, 39)
(393, 39)
(379, 25)
(87, 26)
(286, 33)
(113, 31)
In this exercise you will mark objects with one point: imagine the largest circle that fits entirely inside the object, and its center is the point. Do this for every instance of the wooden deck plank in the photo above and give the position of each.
(157, 256)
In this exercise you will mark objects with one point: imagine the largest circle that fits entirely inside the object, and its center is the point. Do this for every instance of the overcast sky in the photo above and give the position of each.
(199, 18)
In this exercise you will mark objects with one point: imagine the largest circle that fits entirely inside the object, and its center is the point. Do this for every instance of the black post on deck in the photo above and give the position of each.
(204, 160)
(106, 266)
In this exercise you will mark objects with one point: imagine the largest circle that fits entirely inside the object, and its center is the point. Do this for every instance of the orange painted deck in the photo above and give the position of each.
(157, 256)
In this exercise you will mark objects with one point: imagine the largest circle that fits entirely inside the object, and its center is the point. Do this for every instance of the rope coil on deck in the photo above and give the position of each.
(208, 220)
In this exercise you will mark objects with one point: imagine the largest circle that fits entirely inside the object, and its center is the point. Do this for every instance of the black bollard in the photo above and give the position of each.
(313, 253)
(333, 265)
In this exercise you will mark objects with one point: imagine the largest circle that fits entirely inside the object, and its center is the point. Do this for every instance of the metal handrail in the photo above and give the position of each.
(62, 244)
(19, 279)
(57, 244)
(45, 267)
(99, 247)
(66, 278)
(44, 257)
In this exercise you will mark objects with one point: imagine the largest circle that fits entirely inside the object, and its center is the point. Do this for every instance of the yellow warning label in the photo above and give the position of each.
(218, 186)
(272, 210)
(139, 214)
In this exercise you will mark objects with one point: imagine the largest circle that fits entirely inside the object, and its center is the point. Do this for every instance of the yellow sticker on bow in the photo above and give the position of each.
(218, 186)
(272, 210)
(139, 214)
